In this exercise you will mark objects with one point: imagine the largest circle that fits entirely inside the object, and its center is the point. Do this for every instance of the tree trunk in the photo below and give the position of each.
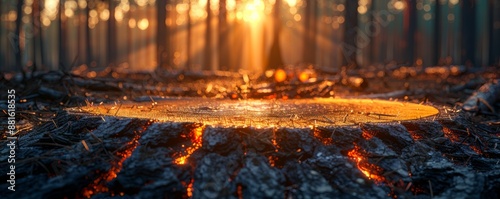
(371, 43)
(275, 60)
(87, 36)
(494, 57)
(35, 15)
(161, 32)
(62, 39)
(17, 43)
(188, 55)
(410, 25)
(309, 49)
(42, 59)
(223, 40)
(468, 32)
(208, 39)
(350, 33)
(111, 43)
(437, 32)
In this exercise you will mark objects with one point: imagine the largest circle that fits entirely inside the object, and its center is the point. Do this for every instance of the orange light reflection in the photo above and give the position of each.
(365, 167)
(99, 184)
(190, 189)
(197, 134)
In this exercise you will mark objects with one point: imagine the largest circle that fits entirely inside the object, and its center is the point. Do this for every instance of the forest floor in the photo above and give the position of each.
(63, 153)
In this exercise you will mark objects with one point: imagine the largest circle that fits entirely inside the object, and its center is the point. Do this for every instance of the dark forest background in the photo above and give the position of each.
(253, 35)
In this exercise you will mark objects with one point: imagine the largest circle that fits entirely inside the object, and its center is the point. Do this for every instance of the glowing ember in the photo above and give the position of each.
(369, 170)
(267, 113)
(451, 135)
(98, 185)
(197, 142)
(303, 76)
(367, 135)
(189, 189)
(280, 75)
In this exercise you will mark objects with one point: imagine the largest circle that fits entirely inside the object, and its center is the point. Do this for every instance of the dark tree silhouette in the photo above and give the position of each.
(410, 26)
(62, 37)
(188, 45)
(310, 31)
(350, 33)
(37, 25)
(111, 37)
(208, 39)
(162, 35)
(468, 27)
(223, 39)
(494, 17)
(437, 31)
(87, 34)
(17, 44)
(275, 60)
(371, 43)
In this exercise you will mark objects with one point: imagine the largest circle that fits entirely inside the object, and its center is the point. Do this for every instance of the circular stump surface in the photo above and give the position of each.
(296, 113)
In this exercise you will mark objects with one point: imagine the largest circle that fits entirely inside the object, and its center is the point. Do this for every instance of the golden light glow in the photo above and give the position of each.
(82, 4)
(369, 170)
(132, 23)
(253, 11)
(69, 8)
(189, 189)
(99, 184)
(141, 3)
(118, 14)
(362, 9)
(340, 7)
(196, 139)
(214, 6)
(340, 19)
(267, 112)
(104, 15)
(93, 22)
(69, 12)
(45, 21)
(304, 76)
(27, 10)
(12, 16)
(93, 13)
(143, 24)
(182, 8)
(280, 75)
(399, 5)
(124, 5)
(291, 3)
(297, 17)
(50, 9)
(454, 2)
(230, 5)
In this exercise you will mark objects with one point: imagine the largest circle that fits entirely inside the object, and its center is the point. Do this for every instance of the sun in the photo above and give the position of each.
(252, 11)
